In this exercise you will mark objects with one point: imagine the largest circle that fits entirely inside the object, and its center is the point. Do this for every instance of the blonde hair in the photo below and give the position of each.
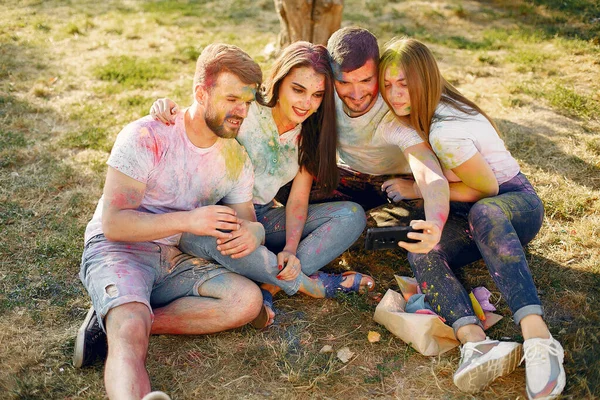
(426, 85)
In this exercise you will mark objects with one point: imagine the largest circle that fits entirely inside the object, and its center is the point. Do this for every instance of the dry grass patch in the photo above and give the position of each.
(72, 74)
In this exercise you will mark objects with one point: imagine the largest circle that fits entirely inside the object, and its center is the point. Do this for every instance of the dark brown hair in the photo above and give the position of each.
(350, 48)
(318, 138)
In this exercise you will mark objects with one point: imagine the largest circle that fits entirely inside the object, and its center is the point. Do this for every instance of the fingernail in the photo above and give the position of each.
(280, 267)
(278, 277)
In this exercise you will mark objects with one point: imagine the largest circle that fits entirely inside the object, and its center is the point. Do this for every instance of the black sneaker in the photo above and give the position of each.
(90, 343)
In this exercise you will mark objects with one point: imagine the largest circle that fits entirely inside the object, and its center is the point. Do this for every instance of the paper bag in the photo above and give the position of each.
(427, 334)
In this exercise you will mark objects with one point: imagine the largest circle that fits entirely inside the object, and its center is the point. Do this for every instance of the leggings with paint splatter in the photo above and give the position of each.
(495, 229)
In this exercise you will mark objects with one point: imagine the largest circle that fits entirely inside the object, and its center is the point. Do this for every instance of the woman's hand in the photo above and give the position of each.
(428, 239)
(164, 110)
(289, 264)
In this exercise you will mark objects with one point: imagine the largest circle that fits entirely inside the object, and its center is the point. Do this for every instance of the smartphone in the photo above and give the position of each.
(388, 237)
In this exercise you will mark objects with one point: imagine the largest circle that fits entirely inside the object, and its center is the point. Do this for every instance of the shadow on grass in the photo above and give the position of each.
(572, 20)
(586, 12)
(41, 199)
(528, 144)
(571, 300)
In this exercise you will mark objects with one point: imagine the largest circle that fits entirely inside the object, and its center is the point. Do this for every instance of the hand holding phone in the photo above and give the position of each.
(388, 237)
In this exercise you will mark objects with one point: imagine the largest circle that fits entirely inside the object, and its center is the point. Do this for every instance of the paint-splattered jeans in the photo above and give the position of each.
(495, 229)
(329, 230)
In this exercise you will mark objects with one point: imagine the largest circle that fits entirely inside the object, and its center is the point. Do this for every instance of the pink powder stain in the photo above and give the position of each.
(124, 199)
(149, 142)
(122, 272)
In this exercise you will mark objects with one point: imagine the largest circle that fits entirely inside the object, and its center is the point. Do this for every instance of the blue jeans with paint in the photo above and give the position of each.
(495, 229)
(329, 230)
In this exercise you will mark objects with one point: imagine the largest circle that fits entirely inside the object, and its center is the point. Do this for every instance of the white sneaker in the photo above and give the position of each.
(156, 396)
(544, 370)
(482, 362)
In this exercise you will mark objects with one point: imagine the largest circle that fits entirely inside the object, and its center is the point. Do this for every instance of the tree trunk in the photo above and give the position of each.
(310, 20)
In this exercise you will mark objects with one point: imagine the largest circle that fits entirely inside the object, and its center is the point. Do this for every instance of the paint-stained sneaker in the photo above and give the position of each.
(544, 370)
(156, 396)
(482, 362)
(90, 343)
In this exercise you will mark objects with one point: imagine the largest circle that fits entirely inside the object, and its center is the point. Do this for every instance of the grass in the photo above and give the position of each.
(72, 74)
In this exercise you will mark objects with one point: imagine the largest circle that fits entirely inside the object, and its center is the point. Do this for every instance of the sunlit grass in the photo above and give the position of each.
(72, 74)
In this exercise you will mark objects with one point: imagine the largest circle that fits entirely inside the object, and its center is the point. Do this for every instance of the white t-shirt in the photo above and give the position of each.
(456, 137)
(274, 156)
(373, 143)
(178, 175)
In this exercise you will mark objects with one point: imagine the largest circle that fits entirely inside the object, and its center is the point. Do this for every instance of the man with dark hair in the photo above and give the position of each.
(352, 47)
(378, 156)
(163, 181)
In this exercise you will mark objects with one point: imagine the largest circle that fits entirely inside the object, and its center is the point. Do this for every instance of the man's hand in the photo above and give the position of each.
(243, 240)
(428, 239)
(217, 221)
(164, 110)
(400, 189)
(289, 264)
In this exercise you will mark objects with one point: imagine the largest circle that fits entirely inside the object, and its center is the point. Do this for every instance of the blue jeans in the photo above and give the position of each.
(117, 273)
(495, 229)
(329, 230)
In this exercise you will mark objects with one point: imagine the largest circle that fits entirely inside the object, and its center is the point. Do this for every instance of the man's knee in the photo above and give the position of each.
(244, 300)
(130, 322)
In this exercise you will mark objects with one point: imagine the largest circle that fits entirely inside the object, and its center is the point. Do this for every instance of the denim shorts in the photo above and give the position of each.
(117, 273)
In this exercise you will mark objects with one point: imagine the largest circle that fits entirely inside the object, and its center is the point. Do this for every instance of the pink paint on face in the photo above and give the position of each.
(395, 90)
(358, 89)
(300, 95)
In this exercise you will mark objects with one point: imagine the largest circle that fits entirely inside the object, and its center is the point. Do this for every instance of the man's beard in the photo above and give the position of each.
(217, 125)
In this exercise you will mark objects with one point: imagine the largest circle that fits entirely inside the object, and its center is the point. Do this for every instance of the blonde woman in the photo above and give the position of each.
(504, 213)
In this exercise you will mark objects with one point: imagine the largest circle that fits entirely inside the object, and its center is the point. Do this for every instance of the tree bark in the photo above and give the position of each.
(310, 20)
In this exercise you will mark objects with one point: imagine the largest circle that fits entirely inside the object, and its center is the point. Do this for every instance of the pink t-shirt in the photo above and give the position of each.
(178, 175)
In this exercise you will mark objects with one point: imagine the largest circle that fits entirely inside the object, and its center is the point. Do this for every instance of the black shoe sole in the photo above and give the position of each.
(78, 359)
